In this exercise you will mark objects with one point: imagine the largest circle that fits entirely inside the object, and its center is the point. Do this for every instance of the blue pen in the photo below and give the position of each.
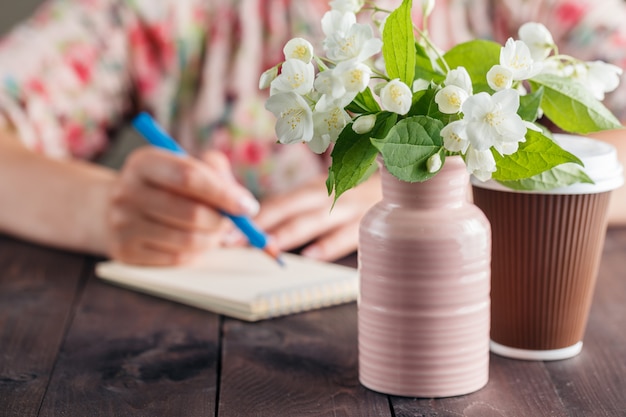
(155, 135)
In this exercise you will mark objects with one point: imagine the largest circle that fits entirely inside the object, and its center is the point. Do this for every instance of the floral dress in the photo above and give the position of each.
(77, 70)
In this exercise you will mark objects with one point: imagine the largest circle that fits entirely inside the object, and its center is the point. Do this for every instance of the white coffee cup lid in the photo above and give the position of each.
(601, 165)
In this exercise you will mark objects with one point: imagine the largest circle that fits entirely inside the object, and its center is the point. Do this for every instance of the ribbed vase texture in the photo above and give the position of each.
(546, 254)
(424, 262)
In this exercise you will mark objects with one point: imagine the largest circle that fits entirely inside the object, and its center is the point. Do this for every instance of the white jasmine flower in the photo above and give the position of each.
(296, 76)
(493, 121)
(298, 48)
(427, 7)
(538, 39)
(499, 77)
(420, 85)
(295, 118)
(433, 164)
(553, 66)
(325, 102)
(326, 128)
(450, 99)
(353, 6)
(357, 42)
(364, 124)
(515, 56)
(576, 71)
(327, 82)
(459, 77)
(396, 97)
(597, 77)
(336, 23)
(481, 164)
(580, 73)
(333, 91)
(602, 78)
(354, 76)
(455, 137)
(267, 77)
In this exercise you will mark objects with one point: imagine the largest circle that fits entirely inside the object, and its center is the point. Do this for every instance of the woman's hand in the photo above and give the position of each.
(305, 216)
(164, 209)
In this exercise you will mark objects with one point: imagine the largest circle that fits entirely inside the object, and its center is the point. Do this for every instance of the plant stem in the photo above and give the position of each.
(424, 36)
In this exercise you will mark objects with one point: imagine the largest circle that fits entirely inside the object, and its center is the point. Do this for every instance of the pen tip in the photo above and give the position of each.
(275, 253)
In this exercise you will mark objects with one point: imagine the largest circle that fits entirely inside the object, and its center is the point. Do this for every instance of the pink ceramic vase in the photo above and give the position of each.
(424, 307)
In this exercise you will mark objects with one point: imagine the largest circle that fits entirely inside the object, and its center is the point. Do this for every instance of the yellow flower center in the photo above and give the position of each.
(519, 63)
(300, 52)
(347, 44)
(293, 117)
(454, 99)
(500, 80)
(396, 94)
(455, 137)
(356, 76)
(296, 80)
(333, 120)
(493, 118)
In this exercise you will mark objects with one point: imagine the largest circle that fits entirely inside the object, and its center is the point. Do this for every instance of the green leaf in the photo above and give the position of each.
(559, 176)
(408, 146)
(424, 105)
(399, 44)
(364, 103)
(536, 155)
(477, 57)
(330, 181)
(571, 107)
(529, 105)
(354, 156)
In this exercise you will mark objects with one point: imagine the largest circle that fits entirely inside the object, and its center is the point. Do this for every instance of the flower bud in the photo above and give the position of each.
(420, 84)
(347, 6)
(427, 7)
(538, 39)
(433, 164)
(267, 77)
(364, 124)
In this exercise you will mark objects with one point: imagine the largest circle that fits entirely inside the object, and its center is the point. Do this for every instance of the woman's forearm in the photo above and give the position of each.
(59, 203)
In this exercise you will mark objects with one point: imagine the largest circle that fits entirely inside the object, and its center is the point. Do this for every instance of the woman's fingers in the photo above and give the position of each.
(338, 243)
(276, 209)
(326, 230)
(191, 178)
(168, 208)
(164, 204)
(148, 256)
(134, 232)
(305, 216)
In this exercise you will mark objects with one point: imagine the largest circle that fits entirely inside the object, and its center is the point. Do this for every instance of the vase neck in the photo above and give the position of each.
(448, 188)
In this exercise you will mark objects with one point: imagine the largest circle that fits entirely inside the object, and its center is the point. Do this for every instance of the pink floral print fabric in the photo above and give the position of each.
(78, 69)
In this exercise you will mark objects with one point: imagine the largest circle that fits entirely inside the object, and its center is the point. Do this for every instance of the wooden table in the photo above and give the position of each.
(71, 345)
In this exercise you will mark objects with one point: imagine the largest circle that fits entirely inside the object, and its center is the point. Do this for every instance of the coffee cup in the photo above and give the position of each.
(546, 251)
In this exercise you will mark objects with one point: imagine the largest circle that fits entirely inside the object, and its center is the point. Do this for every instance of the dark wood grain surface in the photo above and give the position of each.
(71, 345)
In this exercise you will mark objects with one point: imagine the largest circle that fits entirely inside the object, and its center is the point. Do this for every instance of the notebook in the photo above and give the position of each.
(243, 283)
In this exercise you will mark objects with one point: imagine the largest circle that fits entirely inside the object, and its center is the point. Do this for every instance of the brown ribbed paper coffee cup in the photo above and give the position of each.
(545, 256)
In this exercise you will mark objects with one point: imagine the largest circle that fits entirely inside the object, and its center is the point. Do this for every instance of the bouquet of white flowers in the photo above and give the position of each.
(415, 105)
